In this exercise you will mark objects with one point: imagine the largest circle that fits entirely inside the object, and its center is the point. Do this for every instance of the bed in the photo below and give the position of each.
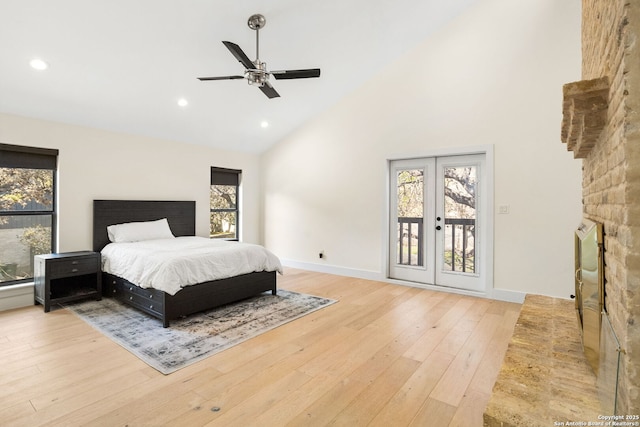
(189, 299)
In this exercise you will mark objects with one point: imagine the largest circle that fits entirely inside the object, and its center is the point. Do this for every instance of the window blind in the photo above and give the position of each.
(15, 156)
(222, 176)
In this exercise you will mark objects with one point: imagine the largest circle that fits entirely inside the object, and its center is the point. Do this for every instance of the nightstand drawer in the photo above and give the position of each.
(73, 267)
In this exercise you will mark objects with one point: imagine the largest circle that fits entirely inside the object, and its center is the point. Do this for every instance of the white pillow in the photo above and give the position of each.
(137, 231)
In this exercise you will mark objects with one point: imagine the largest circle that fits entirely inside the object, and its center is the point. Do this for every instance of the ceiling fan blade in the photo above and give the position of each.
(240, 55)
(221, 78)
(268, 90)
(296, 74)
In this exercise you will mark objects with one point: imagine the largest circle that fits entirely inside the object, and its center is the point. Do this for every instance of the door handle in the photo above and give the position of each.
(438, 227)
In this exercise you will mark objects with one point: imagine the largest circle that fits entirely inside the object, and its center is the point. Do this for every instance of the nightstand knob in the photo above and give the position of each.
(151, 307)
(130, 298)
(74, 262)
(74, 270)
(151, 296)
(114, 291)
(130, 289)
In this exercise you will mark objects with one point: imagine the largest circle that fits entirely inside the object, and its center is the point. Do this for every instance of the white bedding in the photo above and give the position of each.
(171, 264)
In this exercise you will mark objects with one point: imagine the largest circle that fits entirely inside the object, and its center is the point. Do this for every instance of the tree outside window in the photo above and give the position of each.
(225, 185)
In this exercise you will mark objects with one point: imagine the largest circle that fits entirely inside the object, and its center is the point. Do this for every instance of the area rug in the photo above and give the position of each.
(197, 336)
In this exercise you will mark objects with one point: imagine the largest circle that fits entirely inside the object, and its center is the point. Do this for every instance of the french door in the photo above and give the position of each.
(437, 231)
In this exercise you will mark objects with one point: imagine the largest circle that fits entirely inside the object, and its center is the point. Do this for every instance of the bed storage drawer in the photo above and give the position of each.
(148, 300)
(144, 303)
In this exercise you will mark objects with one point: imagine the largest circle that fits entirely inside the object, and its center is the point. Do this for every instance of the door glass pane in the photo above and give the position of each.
(410, 203)
(460, 219)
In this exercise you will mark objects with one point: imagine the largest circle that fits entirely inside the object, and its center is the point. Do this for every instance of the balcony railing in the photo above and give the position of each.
(462, 254)
(410, 241)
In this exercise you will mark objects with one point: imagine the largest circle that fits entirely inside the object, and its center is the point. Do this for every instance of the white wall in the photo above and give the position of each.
(493, 77)
(97, 164)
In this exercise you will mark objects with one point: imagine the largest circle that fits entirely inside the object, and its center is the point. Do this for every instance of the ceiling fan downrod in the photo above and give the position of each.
(259, 76)
(256, 22)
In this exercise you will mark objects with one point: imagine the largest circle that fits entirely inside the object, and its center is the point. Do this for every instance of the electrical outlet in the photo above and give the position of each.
(321, 255)
(503, 209)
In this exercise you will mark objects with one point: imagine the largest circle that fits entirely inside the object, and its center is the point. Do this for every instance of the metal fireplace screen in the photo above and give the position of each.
(589, 285)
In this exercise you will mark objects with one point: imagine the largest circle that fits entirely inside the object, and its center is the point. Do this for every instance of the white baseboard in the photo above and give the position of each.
(497, 294)
(333, 269)
(508, 296)
(16, 296)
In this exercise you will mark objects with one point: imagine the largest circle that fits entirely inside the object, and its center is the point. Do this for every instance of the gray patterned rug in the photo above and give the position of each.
(198, 336)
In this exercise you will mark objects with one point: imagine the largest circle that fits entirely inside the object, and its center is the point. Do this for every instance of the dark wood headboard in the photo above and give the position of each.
(180, 214)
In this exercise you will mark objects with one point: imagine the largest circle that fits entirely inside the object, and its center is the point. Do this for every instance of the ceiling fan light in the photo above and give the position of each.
(256, 78)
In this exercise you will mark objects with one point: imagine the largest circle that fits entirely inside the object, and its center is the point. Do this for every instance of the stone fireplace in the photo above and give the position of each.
(601, 125)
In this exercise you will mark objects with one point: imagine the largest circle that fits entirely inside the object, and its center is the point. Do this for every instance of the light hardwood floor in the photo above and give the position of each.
(385, 355)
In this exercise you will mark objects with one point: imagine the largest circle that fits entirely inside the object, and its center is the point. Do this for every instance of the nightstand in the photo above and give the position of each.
(65, 277)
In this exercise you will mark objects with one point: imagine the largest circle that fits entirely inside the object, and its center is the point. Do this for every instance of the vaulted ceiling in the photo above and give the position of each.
(122, 65)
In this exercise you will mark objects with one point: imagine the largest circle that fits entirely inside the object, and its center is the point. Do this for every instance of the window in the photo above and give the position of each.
(27, 209)
(225, 185)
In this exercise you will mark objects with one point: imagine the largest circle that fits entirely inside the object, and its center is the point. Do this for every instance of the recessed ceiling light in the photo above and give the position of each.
(183, 102)
(38, 64)
(264, 124)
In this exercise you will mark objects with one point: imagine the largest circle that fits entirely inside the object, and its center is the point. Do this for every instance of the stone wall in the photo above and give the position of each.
(611, 173)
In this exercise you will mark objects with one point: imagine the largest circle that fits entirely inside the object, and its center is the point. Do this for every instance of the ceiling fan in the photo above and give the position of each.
(256, 72)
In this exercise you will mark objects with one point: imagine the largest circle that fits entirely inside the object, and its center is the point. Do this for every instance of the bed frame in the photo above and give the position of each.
(181, 216)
